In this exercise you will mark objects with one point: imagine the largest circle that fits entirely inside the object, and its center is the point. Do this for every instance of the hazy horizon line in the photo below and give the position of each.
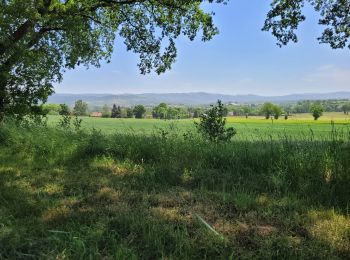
(201, 92)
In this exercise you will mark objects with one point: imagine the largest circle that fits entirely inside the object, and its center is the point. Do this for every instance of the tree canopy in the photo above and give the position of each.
(346, 108)
(40, 39)
(277, 111)
(139, 111)
(160, 111)
(267, 109)
(316, 110)
(286, 15)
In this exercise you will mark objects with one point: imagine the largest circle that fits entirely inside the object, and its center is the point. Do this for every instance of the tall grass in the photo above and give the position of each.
(315, 170)
(243, 183)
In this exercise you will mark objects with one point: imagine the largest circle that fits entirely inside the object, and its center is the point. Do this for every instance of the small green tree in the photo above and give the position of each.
(66, 118)
(64, 110)
(267, 109)
(277, 111)
(177, 113)
(116, 112)
(139, 111)
(77, 123)
(246, 111)
(129, 112)
(212, 124)
(65, 121)
(346, 108)
(160, 111)
(80, 108)
(316, 110)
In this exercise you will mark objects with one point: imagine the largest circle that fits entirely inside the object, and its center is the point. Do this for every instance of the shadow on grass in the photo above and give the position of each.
(124, 204)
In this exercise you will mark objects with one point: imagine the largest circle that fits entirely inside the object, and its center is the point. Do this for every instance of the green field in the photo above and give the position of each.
(133, 191)
(299, 126)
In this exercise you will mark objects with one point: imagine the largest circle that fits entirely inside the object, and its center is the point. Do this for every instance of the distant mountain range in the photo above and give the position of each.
(196, 98)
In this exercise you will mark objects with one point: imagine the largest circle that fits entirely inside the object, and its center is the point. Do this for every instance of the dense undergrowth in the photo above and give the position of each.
(83, 194)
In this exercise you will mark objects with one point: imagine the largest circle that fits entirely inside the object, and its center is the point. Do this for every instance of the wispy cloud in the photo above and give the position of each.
(329, 73)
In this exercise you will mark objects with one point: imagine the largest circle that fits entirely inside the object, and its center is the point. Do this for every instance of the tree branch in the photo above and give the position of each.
(16, 36)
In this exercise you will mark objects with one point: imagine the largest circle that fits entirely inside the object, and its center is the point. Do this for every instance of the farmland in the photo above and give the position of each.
(131, 189)
(298, 126)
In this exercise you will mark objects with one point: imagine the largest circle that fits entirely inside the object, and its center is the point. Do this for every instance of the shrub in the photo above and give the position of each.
(77, 123)
(212, 124)
(65, 121)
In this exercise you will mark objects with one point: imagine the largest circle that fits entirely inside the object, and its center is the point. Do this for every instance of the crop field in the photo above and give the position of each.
(148, 189)
(299, 126)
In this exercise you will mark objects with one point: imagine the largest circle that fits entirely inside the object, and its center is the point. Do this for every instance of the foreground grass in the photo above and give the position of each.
(82, 195)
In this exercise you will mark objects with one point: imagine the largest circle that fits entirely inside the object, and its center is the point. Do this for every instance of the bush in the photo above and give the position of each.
(65, 121)
(212, 125)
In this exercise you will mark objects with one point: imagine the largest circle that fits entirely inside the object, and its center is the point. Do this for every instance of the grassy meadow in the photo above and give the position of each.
(153, 189)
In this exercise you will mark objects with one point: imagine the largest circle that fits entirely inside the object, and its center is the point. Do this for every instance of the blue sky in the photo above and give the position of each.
(240, 60)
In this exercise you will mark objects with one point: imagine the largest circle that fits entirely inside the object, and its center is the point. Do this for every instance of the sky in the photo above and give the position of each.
(242, 59)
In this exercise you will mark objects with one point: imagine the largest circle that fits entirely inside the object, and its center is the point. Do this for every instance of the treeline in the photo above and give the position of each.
(165, 111)
(328, 106)
(291, 108)
(80, 109)
(274, 111)
(162, 111)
